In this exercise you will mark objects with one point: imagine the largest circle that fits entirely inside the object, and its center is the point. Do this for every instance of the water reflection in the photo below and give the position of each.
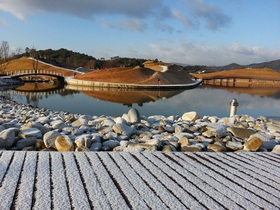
(269, 91)
(206, 100)
(125, 97)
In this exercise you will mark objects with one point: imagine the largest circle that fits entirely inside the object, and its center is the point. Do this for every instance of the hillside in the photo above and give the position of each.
(265, 73)
(27, 64)
(139, 75)
(73, 60)
(270, 64)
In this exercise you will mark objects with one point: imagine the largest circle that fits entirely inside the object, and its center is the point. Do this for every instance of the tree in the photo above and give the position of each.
(34, 54)
(4, 55)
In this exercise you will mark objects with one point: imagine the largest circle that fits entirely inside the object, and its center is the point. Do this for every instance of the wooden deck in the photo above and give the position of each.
(111, 180)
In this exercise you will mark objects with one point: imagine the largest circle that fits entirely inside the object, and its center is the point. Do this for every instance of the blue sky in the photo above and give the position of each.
(205, 32)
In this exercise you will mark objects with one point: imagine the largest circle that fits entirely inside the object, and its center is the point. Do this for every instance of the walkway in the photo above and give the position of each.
(111, 180)
(76, 82)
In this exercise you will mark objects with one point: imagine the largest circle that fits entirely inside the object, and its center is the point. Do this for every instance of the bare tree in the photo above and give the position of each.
(4, 55)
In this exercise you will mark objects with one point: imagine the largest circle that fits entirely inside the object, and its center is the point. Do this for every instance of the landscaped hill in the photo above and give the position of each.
(139, 75)
(27, 64)
(264, 73)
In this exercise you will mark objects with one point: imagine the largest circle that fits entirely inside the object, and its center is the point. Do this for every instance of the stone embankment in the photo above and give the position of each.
(27, 128)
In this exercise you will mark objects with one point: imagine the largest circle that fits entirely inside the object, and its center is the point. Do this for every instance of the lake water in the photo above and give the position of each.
(205, 100)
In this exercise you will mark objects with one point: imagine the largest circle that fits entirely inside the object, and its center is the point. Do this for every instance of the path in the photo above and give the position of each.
(111, 180)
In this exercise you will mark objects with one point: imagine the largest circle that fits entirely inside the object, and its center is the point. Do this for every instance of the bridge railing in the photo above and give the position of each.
(34, 72)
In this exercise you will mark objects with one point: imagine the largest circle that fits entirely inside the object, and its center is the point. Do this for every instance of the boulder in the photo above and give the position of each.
(30, 141)
(241, 133)
(234, 145)
(122, 129)
(184, 141)
(7, 138)
(253, 144)
(30, 132)
(190, 116)
(49, 138)
(95, 146)
(276, 149)
(64, 143)
(216, 148)
(111, 144)
(134, 116)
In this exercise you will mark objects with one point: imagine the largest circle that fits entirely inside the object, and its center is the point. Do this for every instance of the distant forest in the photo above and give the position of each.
(72, 60)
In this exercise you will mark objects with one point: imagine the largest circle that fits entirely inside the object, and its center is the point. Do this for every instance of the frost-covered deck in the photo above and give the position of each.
(112, 180)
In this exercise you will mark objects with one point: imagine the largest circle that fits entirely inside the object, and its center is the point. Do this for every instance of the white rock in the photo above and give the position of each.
(30, 132)
(134, 116)
(58, 124)
(120, 120)
(276, 148)
(133, 149)
(49, 138)
(123, 129)
(191, 116)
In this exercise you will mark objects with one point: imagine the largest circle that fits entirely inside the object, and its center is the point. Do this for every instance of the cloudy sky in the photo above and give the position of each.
(208, 32)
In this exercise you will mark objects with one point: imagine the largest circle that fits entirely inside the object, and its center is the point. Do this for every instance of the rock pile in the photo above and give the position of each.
(27, 128)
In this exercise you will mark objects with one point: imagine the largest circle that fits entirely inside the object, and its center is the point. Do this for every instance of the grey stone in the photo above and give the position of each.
(7, 138)
(31, 141)
(111, 144)
(95, 146)
(234, 145)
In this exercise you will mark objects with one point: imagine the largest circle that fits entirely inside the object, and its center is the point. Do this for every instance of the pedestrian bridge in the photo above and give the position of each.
(21, 73)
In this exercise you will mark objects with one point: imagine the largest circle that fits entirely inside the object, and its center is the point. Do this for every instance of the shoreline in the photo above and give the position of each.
(29, 128)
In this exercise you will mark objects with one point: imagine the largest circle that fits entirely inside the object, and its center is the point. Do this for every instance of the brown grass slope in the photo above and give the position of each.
(137, 75)
(27, 64)
(262, 73)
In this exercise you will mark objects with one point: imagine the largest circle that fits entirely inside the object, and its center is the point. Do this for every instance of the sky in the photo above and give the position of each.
(194, 32)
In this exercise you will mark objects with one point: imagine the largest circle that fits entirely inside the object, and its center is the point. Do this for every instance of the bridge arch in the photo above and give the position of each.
(21, 73)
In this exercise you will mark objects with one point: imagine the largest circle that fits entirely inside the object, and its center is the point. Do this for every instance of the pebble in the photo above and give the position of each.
(29, 128)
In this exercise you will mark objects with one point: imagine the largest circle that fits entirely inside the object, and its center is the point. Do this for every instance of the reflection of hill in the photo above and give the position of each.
(272, 92)
(127, 97)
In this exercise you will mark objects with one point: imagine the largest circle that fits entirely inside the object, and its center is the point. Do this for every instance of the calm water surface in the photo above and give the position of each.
(204, 100)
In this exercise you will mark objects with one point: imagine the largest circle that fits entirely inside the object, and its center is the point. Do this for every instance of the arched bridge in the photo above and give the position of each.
(21, 73)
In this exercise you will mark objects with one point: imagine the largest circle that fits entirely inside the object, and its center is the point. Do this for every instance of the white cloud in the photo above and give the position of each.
(203, 54)
(213, 16)
(191, 15)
